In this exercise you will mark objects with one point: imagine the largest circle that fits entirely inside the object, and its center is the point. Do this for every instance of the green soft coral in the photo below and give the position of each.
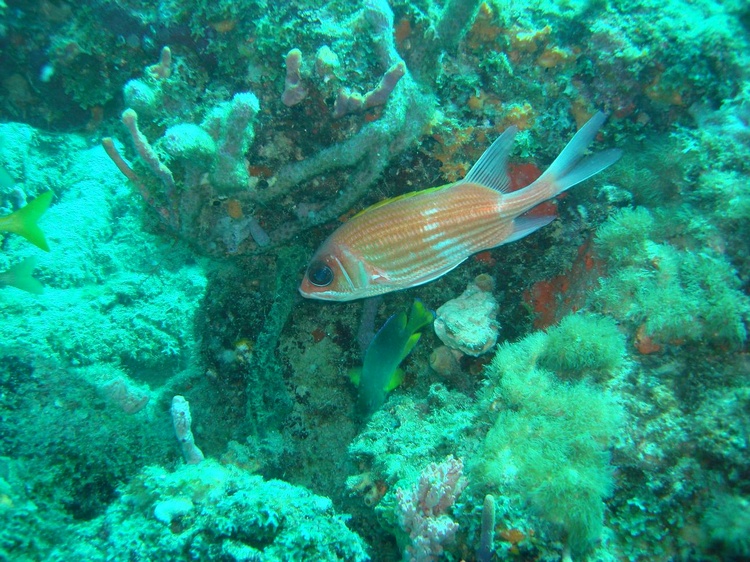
(549, 441)
(676, 294)
(584, 344)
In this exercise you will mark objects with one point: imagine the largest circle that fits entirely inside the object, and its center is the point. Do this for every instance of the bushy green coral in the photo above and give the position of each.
(676, 294)
(623, 238)
(584, 344)
(549, 441)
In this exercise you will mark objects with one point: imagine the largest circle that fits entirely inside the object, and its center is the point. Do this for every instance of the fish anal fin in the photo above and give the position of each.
(525, 225)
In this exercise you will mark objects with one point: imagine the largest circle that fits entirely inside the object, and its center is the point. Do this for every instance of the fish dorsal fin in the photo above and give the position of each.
(398, 198)
(491, 170)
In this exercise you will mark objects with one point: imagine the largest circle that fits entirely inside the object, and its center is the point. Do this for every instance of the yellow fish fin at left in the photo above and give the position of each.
(24, 221)
(21, 277)
(355, 375)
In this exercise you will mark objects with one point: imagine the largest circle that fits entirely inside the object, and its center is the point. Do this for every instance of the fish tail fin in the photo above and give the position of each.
(570, 167)
(24, 221)
(419, 317)
(20, 276)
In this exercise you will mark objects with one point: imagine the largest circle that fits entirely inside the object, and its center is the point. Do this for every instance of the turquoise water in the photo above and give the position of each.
(584, 392)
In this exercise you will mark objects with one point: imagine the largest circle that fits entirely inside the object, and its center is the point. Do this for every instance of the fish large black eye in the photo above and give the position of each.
(320, 274)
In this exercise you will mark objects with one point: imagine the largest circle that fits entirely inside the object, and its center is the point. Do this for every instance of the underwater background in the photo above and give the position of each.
(583, 393)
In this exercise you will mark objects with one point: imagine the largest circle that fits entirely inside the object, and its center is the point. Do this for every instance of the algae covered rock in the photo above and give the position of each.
(550, 442)
(220, 512)
(468, 323)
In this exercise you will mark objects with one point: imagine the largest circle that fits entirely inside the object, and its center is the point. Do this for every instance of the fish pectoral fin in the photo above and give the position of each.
(355, 375)
(378, 275)
(432, 275)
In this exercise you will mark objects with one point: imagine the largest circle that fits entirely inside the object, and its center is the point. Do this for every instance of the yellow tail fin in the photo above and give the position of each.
(23, 222)
(21, 277)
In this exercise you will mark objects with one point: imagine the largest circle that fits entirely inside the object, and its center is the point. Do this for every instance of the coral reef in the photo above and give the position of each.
(727, 523)
(199, 151)
(584, 345)
(671, 295)
(215, 512)
(545, 427)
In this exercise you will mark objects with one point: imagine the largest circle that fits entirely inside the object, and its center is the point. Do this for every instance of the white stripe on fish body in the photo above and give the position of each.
(447, 253)
(457, 229)
(446, 242)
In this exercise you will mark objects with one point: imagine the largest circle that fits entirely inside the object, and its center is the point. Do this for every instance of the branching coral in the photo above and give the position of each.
(207, 162)
(422, 510)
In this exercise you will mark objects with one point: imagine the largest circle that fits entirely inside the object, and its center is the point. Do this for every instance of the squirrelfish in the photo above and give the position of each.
(415, 238)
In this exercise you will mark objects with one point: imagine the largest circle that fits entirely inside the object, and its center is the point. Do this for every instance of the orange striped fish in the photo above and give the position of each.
(415, 238)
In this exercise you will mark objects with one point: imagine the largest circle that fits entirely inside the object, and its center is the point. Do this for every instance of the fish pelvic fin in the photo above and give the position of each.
(491, 170)
(570, 167)
(24, 221)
